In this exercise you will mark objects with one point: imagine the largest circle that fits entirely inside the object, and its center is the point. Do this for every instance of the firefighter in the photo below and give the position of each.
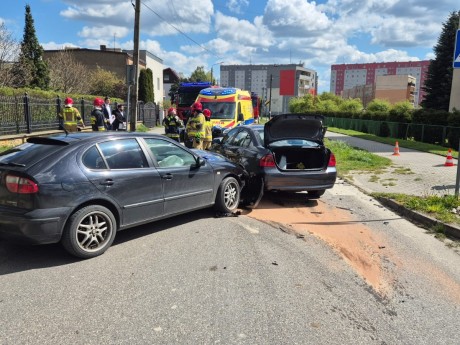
(208, 130)
(71, 116)
(98, 121)
(172, 124)
(196, 126)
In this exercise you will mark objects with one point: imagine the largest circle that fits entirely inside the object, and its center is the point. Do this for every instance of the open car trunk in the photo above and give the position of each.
(301, 158)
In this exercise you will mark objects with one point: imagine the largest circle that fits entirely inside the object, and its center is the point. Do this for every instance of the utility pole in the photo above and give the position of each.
(134, 94)
(270, 98)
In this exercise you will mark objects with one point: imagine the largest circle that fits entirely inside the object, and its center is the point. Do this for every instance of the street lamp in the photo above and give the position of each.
(217, 63)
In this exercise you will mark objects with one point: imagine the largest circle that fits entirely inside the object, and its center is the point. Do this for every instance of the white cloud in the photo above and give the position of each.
(237, 6)
(294, 18)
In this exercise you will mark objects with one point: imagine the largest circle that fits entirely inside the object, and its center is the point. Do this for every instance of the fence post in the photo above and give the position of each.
(58, 111)
(27, 113)
(82, 107)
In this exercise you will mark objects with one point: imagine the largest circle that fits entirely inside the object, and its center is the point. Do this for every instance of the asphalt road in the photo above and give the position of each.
(198, 279)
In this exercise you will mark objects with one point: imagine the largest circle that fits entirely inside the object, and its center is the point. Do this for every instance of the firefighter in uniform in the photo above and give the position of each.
(208, 130)
(172, 124)
(98, 121)
(196, 126)
(71, 116)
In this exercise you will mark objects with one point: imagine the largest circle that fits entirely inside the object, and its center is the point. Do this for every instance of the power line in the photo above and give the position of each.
(181, 32)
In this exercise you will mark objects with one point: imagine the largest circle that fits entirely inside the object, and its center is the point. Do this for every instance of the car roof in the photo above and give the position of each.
(65, 139)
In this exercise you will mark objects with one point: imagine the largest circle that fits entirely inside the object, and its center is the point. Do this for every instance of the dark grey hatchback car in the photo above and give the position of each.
(82, 188)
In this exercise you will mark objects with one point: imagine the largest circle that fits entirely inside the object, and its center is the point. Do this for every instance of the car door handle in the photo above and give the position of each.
(167, 176)
(106, 183)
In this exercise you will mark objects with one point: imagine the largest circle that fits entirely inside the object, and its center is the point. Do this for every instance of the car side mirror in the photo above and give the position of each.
(217, 140)
(240, 117)
(200, 161)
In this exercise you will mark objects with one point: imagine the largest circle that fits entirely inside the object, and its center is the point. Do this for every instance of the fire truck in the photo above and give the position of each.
(256, 105)
(185, 96)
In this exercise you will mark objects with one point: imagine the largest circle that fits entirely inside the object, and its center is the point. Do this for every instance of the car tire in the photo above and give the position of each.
(315, 194)
(89, 232)
(228, 195)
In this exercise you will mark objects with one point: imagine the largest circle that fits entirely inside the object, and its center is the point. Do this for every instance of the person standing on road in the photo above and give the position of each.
(172, 124)
(98, 121)
(119, 118)
(107, 110)
(196, 126)
(208, 130)
(71, 116)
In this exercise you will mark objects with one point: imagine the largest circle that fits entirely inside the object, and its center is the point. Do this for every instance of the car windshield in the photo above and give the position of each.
(220, 110)
(186, 99)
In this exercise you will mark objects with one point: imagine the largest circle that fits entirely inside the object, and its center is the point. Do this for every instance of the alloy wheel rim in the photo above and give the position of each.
(94, 231)
(231, 193)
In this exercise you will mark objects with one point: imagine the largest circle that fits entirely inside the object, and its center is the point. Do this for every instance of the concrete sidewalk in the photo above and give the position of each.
(413, 172)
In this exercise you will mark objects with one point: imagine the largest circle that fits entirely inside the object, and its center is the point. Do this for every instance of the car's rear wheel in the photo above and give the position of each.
(228, 195)
(89, 232)
(315, 194)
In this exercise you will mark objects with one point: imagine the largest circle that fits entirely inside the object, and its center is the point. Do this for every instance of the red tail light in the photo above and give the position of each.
(20, 185)
(267, 161)
(332, 160)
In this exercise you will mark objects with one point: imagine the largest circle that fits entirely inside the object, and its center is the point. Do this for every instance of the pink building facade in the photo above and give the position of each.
(347, 76)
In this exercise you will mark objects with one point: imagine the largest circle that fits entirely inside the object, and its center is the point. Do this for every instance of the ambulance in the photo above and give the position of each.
(229, 106)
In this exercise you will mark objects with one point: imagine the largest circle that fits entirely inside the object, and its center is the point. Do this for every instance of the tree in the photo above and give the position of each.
(146, 93)
(378, 106)
(106, 83)
(67, 74)
(199, 74)
(439, 77)
(8, 48)
(31, 70)
(302, 104)
(353, 106)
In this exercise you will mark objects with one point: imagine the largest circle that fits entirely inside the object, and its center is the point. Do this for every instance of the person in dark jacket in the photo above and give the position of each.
(107, 110)
(119, 118)
(172, 124)
(98, 122)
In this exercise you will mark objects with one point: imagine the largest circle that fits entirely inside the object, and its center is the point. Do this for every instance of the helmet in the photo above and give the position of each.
(172, 111)
(98, 102)
(207, 113)
(68, 100)
(197, 106)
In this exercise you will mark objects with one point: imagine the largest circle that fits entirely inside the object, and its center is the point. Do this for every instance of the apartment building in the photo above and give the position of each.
(347, 76)
(393, 88)
(278, 83)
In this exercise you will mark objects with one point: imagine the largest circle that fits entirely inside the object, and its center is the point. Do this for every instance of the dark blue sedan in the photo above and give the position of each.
(82, 188)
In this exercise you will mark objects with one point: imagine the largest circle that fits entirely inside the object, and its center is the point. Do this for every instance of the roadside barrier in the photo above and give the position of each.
(449, 161)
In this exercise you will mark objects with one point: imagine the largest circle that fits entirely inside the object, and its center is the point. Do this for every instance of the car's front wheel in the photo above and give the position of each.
(89, 232)
(228, 195)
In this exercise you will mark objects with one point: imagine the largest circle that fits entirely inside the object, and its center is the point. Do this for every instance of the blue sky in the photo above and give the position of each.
(190, 33)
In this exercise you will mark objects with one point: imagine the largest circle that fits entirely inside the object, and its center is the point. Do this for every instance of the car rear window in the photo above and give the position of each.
(28, 154)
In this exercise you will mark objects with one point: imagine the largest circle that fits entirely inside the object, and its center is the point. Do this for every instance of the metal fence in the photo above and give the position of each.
(433, 134)
(25, 114)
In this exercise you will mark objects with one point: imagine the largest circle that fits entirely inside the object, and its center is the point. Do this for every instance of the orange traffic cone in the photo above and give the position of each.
(396, 149)
(449, 161)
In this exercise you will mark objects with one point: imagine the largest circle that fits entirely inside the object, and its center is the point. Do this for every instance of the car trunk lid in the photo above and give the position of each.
(294, 126)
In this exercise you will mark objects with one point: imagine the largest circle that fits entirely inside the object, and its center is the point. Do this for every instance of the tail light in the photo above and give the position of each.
(21, 185)
(267, 161)
(332, 161)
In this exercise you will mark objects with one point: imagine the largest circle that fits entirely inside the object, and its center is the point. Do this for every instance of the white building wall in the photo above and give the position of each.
(157, 73)
(258, 81)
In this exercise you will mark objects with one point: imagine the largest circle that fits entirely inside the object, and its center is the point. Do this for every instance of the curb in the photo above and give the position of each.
(419, 218)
